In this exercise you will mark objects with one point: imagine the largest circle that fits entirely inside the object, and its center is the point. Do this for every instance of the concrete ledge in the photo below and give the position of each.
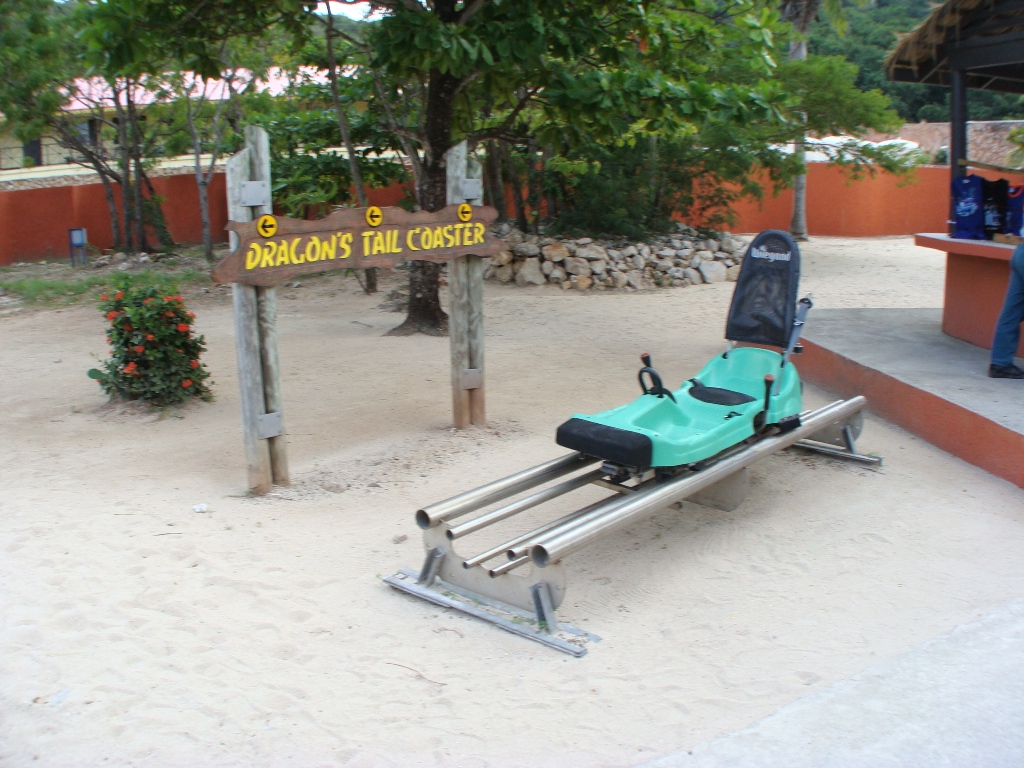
(921, 380)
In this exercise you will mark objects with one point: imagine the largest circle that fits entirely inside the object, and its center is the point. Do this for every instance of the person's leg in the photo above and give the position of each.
(1007, 335)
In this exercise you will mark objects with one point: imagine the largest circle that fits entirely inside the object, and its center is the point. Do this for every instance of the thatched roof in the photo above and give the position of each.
(984, 37)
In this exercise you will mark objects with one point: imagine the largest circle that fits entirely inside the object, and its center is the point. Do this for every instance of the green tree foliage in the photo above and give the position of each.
(140, 36)
(826, 94)
(309, 173)
(634, 187)
(588, 69)
(870, 35)
(44, 73)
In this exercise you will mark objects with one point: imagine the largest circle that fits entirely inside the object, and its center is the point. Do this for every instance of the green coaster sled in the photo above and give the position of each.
(744, 393)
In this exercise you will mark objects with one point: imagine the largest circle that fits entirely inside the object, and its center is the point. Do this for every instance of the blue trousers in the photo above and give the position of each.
(1007, 336)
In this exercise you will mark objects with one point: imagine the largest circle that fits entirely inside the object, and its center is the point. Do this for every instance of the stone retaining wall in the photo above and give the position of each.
(678, 260)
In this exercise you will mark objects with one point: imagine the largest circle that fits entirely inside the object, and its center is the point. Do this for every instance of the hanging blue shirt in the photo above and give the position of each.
(969, 207)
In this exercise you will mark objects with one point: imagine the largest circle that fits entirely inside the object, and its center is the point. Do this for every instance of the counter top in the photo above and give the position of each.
(984, 248)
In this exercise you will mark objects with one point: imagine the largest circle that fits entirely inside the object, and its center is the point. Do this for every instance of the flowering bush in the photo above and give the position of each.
(154, 356)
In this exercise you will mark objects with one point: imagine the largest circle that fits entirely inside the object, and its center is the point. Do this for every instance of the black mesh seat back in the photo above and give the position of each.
(764, 301)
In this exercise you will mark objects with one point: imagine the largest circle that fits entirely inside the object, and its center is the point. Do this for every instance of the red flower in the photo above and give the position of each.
(111, 315)
(140, 349)
(119, 295)
(127, 327)
(149, 337)
(146, 301)
(194, 363)
(104, 297)
(183, 327)
(130, 367)
(191, 314)
(186, 383)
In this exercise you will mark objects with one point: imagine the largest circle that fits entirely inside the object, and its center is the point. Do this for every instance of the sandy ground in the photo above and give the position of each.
(135, 631)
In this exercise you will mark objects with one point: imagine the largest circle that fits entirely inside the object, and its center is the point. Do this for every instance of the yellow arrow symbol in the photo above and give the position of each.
(465, 211)
(267, 225)
(374, 216)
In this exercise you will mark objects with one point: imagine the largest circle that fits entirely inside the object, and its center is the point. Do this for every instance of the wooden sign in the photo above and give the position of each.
(274, 249)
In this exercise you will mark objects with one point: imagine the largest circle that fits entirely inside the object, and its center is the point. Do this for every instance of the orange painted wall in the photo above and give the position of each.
(868, 207)
(34, 223)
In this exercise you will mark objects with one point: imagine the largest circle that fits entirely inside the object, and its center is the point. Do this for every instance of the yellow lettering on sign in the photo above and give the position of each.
(438, 237)
(408, 239)
(328, 248)
(295, 257)
(282, 253)
(393, 246)
(313, 249)
(449, 238)
(252, 258)
(345, 241)
(367, 236)
(379, 246)
(478, 231)
(426, 239)
(269, 249)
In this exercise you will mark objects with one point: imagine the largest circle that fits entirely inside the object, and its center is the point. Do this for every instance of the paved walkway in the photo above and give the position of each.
(957, 700)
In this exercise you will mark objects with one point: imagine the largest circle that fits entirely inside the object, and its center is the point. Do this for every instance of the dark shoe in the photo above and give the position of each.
(1005, 372)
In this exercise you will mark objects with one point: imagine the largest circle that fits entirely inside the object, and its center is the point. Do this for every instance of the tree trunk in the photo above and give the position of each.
(134, 149)
(654, 162)
(550, 205)
(517, 188)
(798, 223)
(126, 205)
(155, 210)
(115, 219)
(533, 184)
(370, 284)
(204, 215)
(126, 179)
(425, 313)
(495, 184)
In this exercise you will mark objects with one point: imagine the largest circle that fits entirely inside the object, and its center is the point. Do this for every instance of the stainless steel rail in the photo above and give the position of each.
(529, 502)
(469, 501)
(509, 545)
(575, 534)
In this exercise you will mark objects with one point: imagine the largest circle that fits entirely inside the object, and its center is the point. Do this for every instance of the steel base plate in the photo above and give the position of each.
(565, 638)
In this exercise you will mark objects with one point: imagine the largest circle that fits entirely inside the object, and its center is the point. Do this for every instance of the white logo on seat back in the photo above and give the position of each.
(761, 253)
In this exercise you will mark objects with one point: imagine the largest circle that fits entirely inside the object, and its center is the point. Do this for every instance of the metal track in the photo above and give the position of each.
(519, 583)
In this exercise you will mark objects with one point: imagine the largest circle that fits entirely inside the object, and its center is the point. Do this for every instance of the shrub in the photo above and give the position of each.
(154, 356)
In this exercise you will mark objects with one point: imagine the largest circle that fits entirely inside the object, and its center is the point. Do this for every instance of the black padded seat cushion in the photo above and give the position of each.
(609, 443)
(717, 395)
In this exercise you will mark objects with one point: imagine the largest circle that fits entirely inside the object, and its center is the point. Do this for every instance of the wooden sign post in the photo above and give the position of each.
(466, 305)
(259, 374)
(272, 249)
